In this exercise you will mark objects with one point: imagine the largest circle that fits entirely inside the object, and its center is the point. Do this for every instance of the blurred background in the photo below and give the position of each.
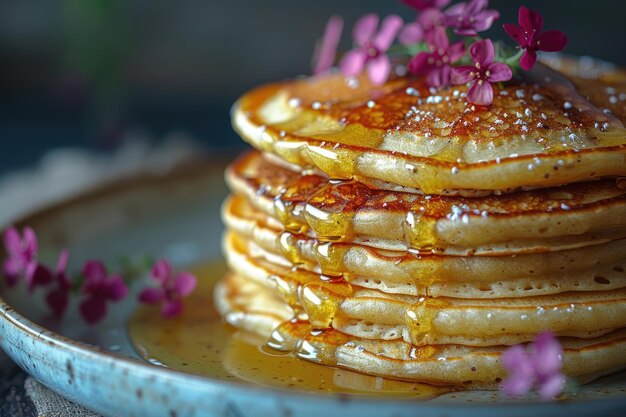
(94, 73)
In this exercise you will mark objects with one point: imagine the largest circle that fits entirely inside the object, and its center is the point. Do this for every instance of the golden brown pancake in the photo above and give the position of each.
(539, 132)
(427, 320)
(594, 268)
(250, 306)
(537, 220)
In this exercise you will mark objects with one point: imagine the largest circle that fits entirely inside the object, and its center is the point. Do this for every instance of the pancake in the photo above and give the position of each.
(540, 220)
(539, 132)
(428, 320)
(599, 267)
(602, 81)
(467, 366)
(262, 313)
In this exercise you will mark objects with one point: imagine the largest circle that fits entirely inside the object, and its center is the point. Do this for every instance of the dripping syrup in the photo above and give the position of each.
(199, 343)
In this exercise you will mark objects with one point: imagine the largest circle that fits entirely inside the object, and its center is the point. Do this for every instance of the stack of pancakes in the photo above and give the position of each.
(401, 232)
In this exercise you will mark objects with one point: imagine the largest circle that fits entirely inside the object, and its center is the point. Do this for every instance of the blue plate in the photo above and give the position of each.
(177, 216)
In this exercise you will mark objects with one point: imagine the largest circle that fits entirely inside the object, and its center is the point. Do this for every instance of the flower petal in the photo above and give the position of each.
(482, 53)
(364, 28)
(547, 353)
(481, 94)
(466, 32)
(421, 5)
(515, 359)
(455, 10)
(437, 38)
(63, 281)
(411, 33)
(517, 385)
(325, 53)
(64, 257)
(521, 374)
(389, 29)
(499, 71)
(38, 274)
(162, 271)
(475, 6)
(528, 59)
(42, 275)
(30, 242)
(12, 242)
(429, 18)
(456, 51)
(58, 300)
(552, 386)
(462, 75)
(551, 41)
(171, 308)
(419, 63)
(11, 271)
(439, 76)
(185, 283)
(151, 295)
(353, 62)
(517, 33)
(94, 272)
(93, 309)
(484, 20)
(116, 289)
(530, 20)
(378, 69)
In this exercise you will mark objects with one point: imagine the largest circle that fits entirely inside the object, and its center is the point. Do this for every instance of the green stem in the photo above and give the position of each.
(514, 59)
(410, 50)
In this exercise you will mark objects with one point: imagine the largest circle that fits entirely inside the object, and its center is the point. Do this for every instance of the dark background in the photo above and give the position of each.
(85, 72)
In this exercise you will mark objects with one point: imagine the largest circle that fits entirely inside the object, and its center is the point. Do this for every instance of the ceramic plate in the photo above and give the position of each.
(177, 216)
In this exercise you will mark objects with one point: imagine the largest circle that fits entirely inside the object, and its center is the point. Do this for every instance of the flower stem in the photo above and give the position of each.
(410, 50)
(514, 59)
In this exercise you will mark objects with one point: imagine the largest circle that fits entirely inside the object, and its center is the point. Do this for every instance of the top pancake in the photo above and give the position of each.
(543, 131)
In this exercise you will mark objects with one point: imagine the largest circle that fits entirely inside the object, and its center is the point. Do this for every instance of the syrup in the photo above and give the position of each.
(198, 342)
(420, 319)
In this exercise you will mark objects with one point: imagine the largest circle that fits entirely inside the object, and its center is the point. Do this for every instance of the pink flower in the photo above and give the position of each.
(327, 48)
(411, 33)
(529, 36)
(58, 298)
(416, 31)
(371, 48)
(99, 288)
(430, 19)
(539, 364)
(22, 260)
(436, 64)
(172, 289)
(469, 18)
(482, 74)
(421, 5)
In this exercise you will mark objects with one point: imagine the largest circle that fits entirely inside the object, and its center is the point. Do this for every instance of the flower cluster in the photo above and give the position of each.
(539, 364)
(96, 286)
(171, 289)
(432, 53)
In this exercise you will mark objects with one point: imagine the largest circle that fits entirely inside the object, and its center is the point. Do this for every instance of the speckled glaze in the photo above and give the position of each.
(177, 216)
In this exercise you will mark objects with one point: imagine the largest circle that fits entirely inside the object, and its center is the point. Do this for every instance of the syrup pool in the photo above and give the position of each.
(198, 342)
